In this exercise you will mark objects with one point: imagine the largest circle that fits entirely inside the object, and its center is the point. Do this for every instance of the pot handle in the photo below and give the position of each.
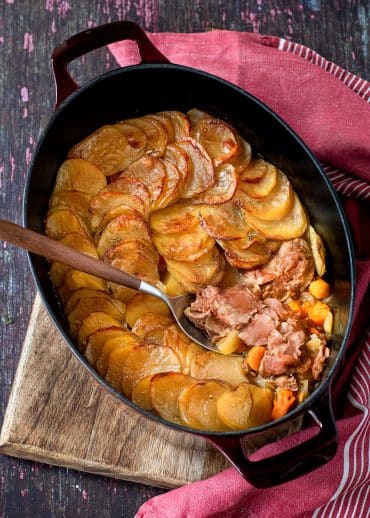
(290, 464)
(92, 39)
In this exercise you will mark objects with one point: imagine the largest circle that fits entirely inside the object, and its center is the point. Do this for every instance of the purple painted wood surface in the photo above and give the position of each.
(28, 32)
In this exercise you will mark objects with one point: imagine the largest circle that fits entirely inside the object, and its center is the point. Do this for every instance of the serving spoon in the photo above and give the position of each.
(56, 251)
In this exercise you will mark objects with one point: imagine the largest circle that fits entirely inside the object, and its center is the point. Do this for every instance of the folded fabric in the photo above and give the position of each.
(329, 108)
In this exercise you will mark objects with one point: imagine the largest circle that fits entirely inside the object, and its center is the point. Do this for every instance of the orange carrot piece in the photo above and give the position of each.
(306, 307)
(295, 306)
(284, 400)
(319, 289)
(254, 356)
(318, 312)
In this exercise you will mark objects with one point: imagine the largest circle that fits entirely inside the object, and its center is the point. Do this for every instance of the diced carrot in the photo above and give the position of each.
(284, 400)
(254, 356)
(318, 312)
(306, 307)
(319, 289)
(295, 306)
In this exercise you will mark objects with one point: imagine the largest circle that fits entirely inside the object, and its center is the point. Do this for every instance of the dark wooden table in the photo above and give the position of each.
(28, 32)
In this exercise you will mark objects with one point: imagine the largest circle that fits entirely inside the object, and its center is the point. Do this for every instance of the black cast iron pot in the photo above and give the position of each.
(156, 84)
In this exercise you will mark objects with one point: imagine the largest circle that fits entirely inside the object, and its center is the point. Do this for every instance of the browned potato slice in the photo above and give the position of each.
(318, 251)
(231, 276)
(291, 226)
(217, 138)
(77, 241)
(140, 394)
(75, 279)
(180, 217)
(174, 338)
(254, 171)
(136, 143)
(243, 157)
(223, 189)
(155, 133)
(180, 159)
(275, 205)
(137, 246)
(126, 341)
(171, 187)
(78, 202)
(195, 115)
(79, 175)
(141, 304)
(199, 272)
(106, 148)
(255, 255)
(92, 323)
(263, 399)
(151, 172)
(210, 365)
(164, 390)
(82, 293)
(166, 122)
(97, 340)
(202, 172)
(198, 405)
(121, 293)
(127, 227)
(116, 364)
(173, 286)
(151, 322)
(62, 221)
(192, 351)
(267, 182)
(224, 222)
(184, 246)
(179, 121)
(235, 407)
(137, 257)
(104, 203)
(86, 306)
(131, 186)
(147, 360)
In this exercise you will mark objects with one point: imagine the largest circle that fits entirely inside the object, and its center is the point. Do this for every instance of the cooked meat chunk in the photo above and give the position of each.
(287, 274)
(283, 350)
(319, 361)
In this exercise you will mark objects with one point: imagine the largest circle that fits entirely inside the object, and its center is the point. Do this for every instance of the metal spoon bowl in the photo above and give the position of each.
(56, 251)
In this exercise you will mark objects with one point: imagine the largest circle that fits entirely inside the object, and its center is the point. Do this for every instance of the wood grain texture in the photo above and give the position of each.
(28, 32)
(60, 415)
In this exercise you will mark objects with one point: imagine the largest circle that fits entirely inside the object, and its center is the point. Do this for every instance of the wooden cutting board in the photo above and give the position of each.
(58, 414)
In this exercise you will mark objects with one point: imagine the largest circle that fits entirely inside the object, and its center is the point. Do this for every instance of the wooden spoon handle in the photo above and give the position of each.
(55, 251)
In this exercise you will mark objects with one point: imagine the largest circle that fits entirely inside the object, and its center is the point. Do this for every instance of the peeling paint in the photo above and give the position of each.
(28, 42)
(24, 94)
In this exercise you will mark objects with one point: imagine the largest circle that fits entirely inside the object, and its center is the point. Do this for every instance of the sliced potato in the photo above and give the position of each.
(224, 222)
(265, 184)
(318, 251)
(230, 343)
(210, 365)
(76, 174)
(180, 159)
(116, 363)
(62, 221)
(92, 323)
(155, 133)
(217, 137)
(164, 391)
(235, 407)
(198, 405)
(226, 181)
(291, 226)
(140, 394)
(151, 171)
(243, 157)
(96, 341)
(124, 341)
(184, 246)
(142, 304)
(179, 121)
(136, 143)
(181, 217)
(131, 186)
(174, 338)
(256, 255)
(77, 201)
(135, 257)
(77, 241)
(275, 205)
(75, 280)
(202, 172)
(231, 276)
(262, 405)
(83, 293)
(86, 306)
(254, 171)
(171, 188)
(126, 227)
(166, 122)
(195, 115)
(147, 360)
(106, 148)
(104, 203)
(151, 322)
(173, 286)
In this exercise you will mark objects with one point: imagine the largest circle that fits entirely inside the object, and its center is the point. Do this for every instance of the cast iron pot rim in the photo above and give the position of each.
(324, 385)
